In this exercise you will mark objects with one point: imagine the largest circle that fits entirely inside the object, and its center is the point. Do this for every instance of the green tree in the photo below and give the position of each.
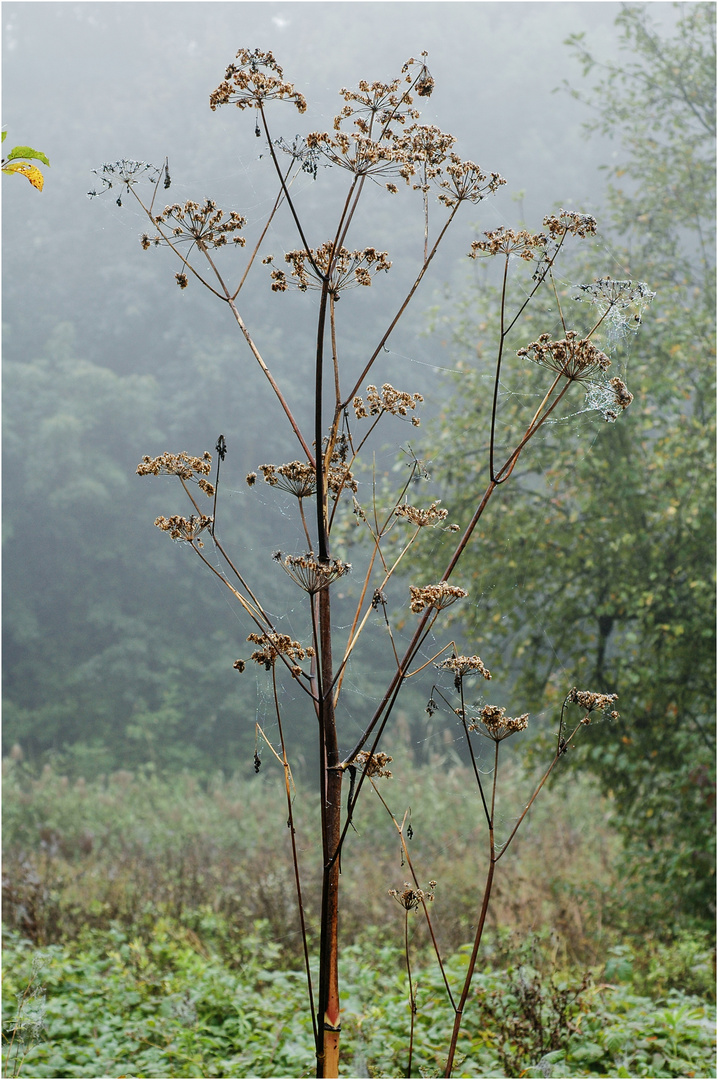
(611, 552)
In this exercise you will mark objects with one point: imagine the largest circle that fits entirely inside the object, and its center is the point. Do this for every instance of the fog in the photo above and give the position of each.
(110, 360)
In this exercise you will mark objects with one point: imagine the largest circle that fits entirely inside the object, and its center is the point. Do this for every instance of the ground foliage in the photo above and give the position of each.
(170, 1005)
(150, 926)
(608, 538)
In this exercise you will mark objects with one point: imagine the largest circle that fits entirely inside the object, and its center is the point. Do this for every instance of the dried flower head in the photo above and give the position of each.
(438, 596)
(593, 702)
(577, 359)
(568, 221)
(255, 79)
(493, 722)
(201, 224)
(310, 574)
(396, 402)
(183, 465)
(296, 477)
(273, 645)
(503, 241)
(299, 478)
(464, 665)
(465, 182)
(124, 174)
(357, 152)
(608, 294)
(305, 155)
(432, 515)
(410, 897)
(373, 764)
(188, 529)
(345, 269)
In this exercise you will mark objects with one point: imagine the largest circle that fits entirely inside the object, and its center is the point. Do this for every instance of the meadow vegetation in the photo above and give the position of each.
(151, 931)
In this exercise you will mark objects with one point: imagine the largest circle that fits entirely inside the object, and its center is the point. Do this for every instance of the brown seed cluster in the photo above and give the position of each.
(464, 665)
(410, 897)
(296, 477)
(568, 221)
(310, 574)
(592, 702)
(373, 764)
(255, 79)
(438, 596)
(503, 241)
(465, 182)
(577, 359)
(493, 722)
(344, 269)
(181, 528)
(432, 515)
(183, 465)
(396, 402)
(201, 224)
(273, 645)
(299, 478)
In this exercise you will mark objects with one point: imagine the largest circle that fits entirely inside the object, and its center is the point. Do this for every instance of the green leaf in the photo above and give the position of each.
(4, 136)
(27, 152)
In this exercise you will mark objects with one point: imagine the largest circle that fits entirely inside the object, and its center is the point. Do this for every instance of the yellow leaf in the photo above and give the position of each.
(30, 171)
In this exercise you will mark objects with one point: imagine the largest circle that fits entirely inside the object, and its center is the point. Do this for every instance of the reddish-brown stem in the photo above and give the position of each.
(328, 1018)
(479, 929)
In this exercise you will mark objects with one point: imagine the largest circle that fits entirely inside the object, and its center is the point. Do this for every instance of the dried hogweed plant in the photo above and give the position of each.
(376, 143)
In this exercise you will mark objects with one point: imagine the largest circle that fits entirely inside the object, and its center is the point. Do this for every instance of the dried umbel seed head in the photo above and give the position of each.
(437, 596)
(568, 221)
(431, 516)
(183, 465)
(273, 645)
(344, 269)
(501, 241)
(423, 148)
(493, 722)
(357, 152)
(125, 174)
(299, 478)
(195, 223)
(188, 529)
(396, 402)
(310, 574)
(464, 665)
(255, 79)
(373, 764)
(466, 182)
(296, 477)
(411, 897)
(607, 294)
(577, 359)
(593, 702)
